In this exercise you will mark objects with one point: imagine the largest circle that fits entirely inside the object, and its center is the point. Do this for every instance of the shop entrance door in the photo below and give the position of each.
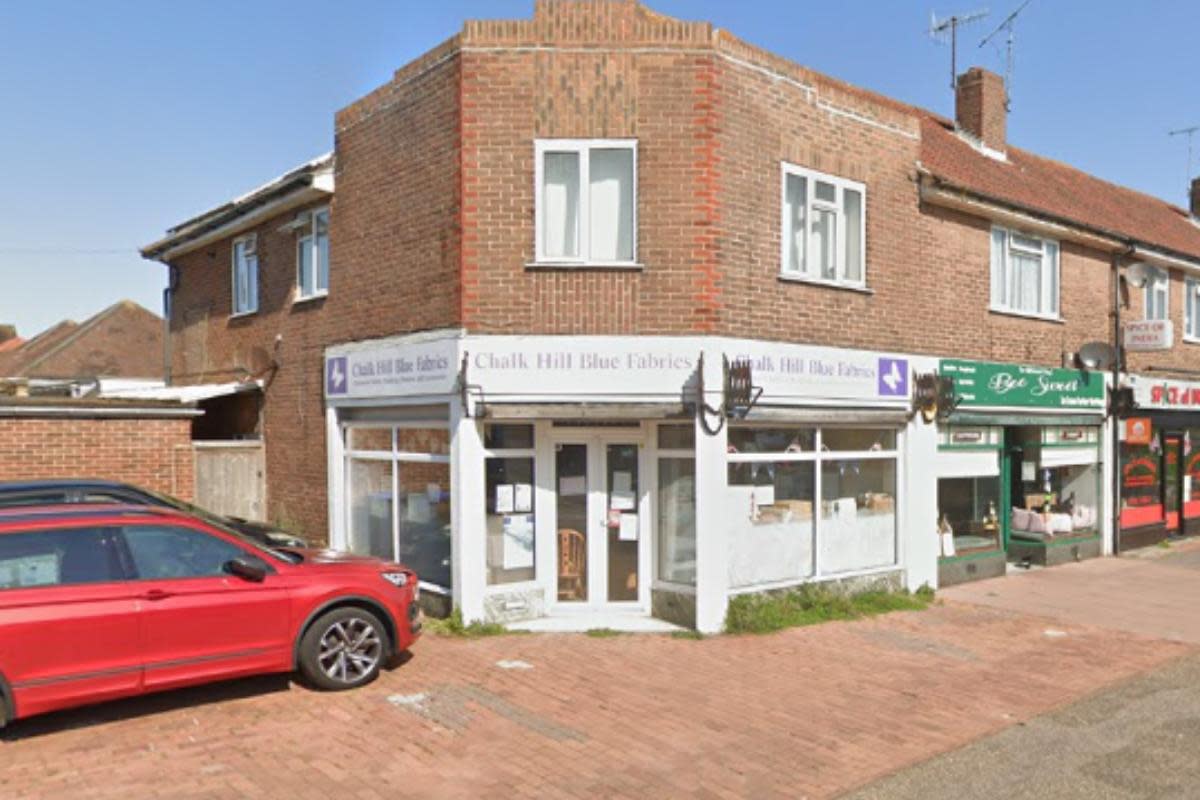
(1173, 481)
(601, 508)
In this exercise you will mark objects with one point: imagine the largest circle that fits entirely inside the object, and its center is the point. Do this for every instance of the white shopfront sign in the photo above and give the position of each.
(1149, 335)
(610, 367)
(1165, 395)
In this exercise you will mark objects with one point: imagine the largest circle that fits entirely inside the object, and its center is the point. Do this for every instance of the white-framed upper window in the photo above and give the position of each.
(824, 227)
(1025, 274)
(1158, 295)
(312, 256)
(245, 274)
(1191, 309)
(586, 207)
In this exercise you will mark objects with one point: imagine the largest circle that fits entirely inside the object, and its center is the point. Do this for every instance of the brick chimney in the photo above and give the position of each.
(7, 333)
(979, 107)
(1194, 197)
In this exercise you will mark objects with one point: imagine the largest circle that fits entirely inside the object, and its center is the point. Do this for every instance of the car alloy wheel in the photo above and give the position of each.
(350, 650)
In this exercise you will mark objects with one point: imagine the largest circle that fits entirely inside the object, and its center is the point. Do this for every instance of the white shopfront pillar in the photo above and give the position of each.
(467, 490)
(919, 543)
(712, 546)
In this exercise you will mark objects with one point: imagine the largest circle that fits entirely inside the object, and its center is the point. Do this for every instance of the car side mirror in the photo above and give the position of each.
(246, 569)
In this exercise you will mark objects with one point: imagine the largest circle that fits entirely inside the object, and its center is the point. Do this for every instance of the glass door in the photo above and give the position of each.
(1172, 481)
(599, 549)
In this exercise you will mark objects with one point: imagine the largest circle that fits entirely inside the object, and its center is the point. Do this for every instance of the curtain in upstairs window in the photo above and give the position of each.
(1026, 286)
(560, 196)
(999, 259)
(824, 234)
(610, 204)
(794, 229)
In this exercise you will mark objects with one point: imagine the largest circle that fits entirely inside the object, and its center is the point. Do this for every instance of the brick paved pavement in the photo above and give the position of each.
(807, 712)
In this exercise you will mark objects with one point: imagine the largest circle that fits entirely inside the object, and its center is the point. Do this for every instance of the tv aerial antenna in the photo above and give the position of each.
(1189, 133)
(939, 27)
(1007, 27)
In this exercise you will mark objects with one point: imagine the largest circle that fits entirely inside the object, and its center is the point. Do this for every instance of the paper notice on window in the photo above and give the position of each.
(504, 498)
(629, 528)
(434, 492)
(764, 495)
(573, 485)
(518, 541)
(522, 498)
(623, 497)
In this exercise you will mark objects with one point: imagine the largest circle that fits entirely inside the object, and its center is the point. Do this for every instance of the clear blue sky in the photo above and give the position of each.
(120, 118)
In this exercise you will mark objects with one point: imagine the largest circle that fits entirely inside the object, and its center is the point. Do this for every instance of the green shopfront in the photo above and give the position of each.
(1019, 469)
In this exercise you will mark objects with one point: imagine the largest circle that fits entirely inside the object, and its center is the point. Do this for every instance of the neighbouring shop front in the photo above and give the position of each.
(526, 476)
(1019, 469)
(1160, 462)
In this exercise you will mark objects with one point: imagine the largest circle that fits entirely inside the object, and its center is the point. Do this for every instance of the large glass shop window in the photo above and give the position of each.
(803, 502)
(969, 510)
(677, 504)
(1191, 473)
(1141, 484)
(1056, 488)
(399, 497)
(510, 503)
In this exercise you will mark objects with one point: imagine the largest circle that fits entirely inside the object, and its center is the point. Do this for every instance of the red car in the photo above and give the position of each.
(100, 602)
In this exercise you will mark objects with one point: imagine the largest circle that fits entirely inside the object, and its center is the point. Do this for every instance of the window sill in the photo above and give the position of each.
(1024, 315)
(1191, 339)
(243, 314)
(848, 287)
(309, 298)
(620, 266)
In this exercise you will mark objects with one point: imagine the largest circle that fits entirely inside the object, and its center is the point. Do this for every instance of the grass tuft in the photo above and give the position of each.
(687, 634)
(601, 633)
(813, 604)
(453, 626)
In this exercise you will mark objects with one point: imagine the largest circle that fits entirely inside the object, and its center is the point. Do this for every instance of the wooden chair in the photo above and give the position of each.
(572, 565)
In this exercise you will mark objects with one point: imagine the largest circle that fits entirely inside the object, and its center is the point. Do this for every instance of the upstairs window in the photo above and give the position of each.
(312, 256)
(586, 202)
(245, 275)
(1025, 274)
(1158, 294)
(1191, 309)
(824, 228)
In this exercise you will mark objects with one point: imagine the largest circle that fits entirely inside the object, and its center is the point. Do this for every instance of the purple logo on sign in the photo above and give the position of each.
(893, 377)
(335, 375)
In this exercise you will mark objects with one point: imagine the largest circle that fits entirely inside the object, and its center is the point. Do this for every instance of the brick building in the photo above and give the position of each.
(501, 346)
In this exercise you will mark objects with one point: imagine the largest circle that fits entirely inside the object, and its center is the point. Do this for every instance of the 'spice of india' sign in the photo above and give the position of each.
(1149, 334)
(1165, 394)
(982, 383)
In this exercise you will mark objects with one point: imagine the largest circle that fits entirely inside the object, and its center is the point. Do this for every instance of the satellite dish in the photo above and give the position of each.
(1140, 274)
(1096, 355)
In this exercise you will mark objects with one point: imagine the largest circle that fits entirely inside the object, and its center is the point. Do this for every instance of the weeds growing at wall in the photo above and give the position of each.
(813, 604)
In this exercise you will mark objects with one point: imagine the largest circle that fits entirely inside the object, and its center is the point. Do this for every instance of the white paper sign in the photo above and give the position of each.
(623, 498)
(522, 498)
(629, 528)
(518, 541)
(764, 495)
(574, 485)
(504, 498)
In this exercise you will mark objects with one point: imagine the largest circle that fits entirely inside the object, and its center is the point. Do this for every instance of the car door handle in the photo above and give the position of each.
(156, 594)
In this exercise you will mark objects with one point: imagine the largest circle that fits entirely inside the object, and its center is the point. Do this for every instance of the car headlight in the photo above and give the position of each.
(396, 578)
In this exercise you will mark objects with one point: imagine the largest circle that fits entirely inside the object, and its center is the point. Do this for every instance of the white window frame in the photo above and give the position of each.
(1007, 307)
(249, 245)
(838, 207)
(582, 147)
(308, 238)
(1191, 323)
(1158, 285)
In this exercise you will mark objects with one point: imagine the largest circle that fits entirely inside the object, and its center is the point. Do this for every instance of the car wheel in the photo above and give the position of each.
(343, 649)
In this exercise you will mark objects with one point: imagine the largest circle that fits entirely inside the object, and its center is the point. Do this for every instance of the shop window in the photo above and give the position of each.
(858, 514)
(1055, 500)
(245, 275)
(824, 228)
(508, 437)
(1158, 296)
(770, 440)
(969, 513)
(586, 202)
(510, 519)
(1191, 473)
(677, 520)
(1141, 485)
(858, 439)
(1024, 274)
(399, 497)
(676, 437)
(770, 522)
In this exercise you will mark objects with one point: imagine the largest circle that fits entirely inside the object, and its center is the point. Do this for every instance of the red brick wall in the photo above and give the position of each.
(154, 453)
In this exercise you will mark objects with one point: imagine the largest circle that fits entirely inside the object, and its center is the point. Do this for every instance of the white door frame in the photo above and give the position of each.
(596, 440)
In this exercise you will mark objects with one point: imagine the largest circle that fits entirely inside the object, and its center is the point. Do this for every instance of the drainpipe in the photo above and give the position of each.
(1117, 368)
(168, 303)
